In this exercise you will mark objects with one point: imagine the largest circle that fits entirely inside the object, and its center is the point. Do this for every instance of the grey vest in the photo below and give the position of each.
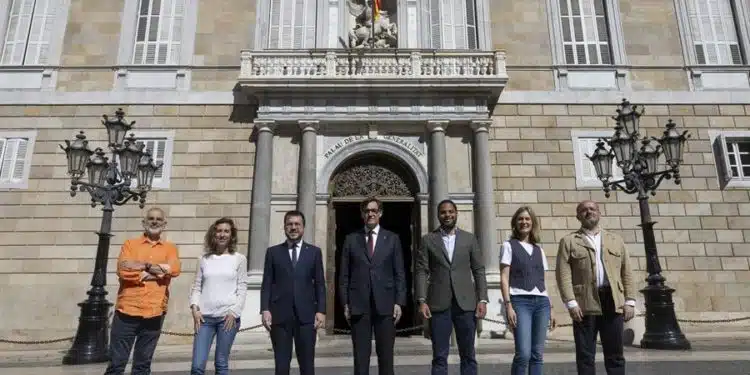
(526, 272)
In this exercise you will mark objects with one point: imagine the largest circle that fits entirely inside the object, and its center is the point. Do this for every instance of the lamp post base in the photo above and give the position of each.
(662, 329)
(91, 344)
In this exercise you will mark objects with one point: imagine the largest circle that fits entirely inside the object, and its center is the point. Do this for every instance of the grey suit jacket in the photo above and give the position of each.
(436, 279)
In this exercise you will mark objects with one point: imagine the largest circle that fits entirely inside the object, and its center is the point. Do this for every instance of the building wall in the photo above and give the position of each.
(47, 237)
(700, 231)
(47, 242)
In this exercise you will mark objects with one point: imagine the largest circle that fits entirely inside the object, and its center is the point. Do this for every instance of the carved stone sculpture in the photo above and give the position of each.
(385, 33)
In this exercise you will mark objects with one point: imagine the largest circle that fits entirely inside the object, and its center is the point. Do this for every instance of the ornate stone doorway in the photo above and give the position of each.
(385, 177)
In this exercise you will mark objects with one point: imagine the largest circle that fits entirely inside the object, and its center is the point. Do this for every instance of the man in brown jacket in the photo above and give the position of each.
(596, 283)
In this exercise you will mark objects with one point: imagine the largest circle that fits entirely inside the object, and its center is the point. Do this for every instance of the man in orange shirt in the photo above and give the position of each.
(145, 267)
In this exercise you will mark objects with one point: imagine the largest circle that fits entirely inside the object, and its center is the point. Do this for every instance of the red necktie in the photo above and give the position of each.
(371, 242)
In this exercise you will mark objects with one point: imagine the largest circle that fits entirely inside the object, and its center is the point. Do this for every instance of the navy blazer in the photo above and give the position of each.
(382, 274)
(286, 289)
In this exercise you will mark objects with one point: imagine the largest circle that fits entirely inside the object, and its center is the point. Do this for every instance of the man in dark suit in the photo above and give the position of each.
(451, 289)
(293, 297)
(372, 286)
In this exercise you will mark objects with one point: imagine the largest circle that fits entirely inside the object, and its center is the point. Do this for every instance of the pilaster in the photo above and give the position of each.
(438, 170)
(306, 176)
(260, 212)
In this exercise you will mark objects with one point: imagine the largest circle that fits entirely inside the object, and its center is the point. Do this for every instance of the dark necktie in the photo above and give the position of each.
(371, 242)
(294, 255)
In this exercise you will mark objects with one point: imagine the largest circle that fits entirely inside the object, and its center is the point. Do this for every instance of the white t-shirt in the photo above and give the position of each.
(506, 257)
(220, 285)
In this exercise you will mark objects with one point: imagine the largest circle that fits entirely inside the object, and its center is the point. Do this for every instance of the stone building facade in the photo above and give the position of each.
(254, 111)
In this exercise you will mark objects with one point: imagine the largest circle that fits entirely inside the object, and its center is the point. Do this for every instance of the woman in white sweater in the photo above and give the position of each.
(218, 297)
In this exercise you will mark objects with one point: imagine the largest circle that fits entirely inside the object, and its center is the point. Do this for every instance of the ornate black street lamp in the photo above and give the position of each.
(109, 184)
(641, 176)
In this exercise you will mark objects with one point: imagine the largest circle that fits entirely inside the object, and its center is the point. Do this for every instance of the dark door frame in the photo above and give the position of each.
(331, 287)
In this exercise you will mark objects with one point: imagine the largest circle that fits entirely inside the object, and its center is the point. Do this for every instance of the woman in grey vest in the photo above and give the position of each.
(529, 311)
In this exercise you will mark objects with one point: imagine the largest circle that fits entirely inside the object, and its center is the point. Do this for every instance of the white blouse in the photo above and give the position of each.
(220, 285)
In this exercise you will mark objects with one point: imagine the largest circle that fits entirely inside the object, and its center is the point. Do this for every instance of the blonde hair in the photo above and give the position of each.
(534, 236)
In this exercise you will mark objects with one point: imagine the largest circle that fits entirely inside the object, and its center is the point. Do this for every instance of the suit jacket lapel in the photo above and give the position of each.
(362, 240)
(284, 254)
(437, 239)
(303, 253)
(379, 247)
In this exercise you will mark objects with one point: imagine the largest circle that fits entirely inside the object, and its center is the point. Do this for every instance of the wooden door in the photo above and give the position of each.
(331, 269)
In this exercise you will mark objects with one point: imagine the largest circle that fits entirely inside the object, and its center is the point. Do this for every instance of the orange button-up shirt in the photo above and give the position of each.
(148, 298)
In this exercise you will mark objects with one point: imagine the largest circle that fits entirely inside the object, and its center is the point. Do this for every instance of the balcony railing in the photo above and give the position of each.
(372, 65)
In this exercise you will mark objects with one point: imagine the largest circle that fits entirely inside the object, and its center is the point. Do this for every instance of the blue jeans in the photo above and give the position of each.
(202, 341)
(532, 323)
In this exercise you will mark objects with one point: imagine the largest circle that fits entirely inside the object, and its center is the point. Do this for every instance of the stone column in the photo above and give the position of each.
(260, 212)
(307, 176)
(484, 206)
(438, 170)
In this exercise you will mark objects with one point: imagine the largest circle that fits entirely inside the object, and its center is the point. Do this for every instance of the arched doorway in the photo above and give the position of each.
(390, 180)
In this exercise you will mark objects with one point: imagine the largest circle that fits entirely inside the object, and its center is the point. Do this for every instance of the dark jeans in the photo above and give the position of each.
(441, 326)
(213, 326)
(127, 330)
(532, 323)
(609, 325)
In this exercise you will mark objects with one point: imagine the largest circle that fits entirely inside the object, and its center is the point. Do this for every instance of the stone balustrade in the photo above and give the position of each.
(371, 65)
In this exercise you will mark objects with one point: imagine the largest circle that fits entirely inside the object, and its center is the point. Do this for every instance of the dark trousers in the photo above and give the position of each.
(126, 331)
(385, 336)
(303, 336)
(609, 325)
(442, 324)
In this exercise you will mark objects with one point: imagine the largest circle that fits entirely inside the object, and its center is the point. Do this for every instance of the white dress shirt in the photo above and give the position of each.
(449, 241)
(298, 245)
(375, 232)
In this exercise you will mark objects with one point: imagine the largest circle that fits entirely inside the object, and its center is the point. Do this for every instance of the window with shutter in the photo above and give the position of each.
(15, 160)
(158, 36)
(292, 24)
(160, 144)
(584, 143)
(585, 33)
(453, 24)
(714, 32)
(731, 151)
(29, 32)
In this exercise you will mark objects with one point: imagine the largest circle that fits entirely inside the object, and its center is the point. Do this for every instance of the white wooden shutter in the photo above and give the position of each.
(714, 32)
(292, 24)
(721, 156)
(14, 159)
(158, 39)
(586, 146)
(453, 24)
(29, 31)
(3, 143)
(585, 32)
(157, 148)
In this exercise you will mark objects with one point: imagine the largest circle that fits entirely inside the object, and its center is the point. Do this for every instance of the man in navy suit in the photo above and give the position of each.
(372, 287)
(293, 297)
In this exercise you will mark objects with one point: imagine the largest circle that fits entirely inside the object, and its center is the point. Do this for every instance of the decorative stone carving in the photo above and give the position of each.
(369, 180)
(362, 35)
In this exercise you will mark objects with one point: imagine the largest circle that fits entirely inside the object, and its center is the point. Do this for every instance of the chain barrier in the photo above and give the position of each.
(346, 331)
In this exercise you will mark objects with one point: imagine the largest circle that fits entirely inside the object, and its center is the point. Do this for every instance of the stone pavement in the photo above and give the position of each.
(723, 349)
